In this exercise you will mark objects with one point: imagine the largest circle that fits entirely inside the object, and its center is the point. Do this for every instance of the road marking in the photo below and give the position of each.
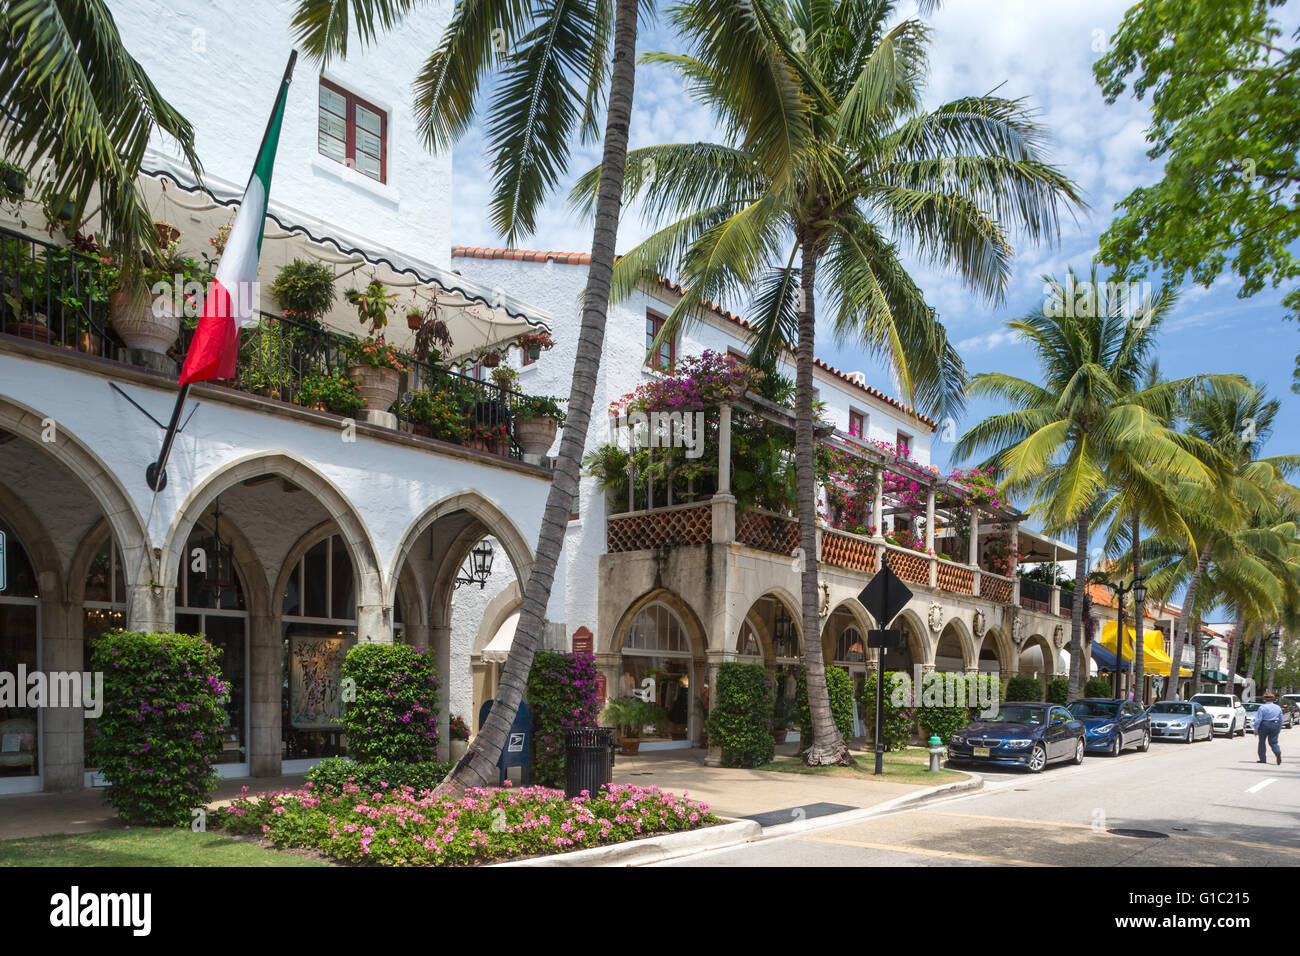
(919, 851)
(1261, 785)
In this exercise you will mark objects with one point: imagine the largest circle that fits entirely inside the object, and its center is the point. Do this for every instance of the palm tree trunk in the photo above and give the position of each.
(1180, 632)
(1139, 634)
(1234, 651)
(1199, 666)
(1078, 662)
(828, 746)
(479, 765)
(1254, 655)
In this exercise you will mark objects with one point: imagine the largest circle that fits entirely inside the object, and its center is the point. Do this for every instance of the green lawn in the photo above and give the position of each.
(142, 847)
(904, 766)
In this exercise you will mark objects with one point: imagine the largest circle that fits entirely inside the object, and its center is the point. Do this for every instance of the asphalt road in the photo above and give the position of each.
(1210, 803)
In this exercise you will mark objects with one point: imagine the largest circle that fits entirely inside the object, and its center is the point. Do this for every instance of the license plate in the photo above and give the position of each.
(981, 751)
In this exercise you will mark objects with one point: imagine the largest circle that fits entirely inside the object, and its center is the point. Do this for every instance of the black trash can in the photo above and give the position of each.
(588, 759)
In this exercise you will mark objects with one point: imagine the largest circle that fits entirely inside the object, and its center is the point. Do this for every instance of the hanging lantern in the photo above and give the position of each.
(220, 571)
(479, 568)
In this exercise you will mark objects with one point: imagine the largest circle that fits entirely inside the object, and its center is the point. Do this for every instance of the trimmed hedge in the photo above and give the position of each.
(1099, 687)
(944, 721)
(839, 687)
(394, 717)
(740, 715)
(561, 694)
(1058, 691)
(338, 772)
(1023, 688)
(897, 711)
(160, 732)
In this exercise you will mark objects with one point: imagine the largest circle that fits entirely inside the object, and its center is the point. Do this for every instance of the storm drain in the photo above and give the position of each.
(805, 812)
(1142, 834)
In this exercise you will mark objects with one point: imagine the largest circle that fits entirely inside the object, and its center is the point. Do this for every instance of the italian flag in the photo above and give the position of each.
(230, 304)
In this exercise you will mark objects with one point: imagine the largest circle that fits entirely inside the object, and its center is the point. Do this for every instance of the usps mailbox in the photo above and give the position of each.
(518, 751)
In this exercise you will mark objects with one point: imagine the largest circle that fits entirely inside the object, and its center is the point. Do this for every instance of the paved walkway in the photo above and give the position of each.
(770, 797)
(81, 811)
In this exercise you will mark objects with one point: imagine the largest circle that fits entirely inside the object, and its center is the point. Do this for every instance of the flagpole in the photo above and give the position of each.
(155, 475)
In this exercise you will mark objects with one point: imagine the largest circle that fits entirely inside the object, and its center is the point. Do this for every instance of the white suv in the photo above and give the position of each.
(1226, 711)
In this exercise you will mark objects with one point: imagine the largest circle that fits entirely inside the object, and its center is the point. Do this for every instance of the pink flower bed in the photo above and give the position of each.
(397, 827)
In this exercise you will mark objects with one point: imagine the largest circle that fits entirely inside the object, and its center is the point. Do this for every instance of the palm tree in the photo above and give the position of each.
(1223, 516)
(76, 101)
(552, 84)
(828, 157)
(1093, 416)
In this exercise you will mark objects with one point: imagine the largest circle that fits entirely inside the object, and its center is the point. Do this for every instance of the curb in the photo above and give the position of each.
(653, 849)
(976, 782)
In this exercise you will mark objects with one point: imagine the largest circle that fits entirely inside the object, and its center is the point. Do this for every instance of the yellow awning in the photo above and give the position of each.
(1154, 658)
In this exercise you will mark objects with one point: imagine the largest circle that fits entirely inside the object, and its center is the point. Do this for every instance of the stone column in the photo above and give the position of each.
(723, 518)
(265, 744)
(724, 449)
(150, 608)
(1054, 601)
(1014, 563)
(714, 758)
(62, 758)
(929, 538)
(374, 624)
(973, 555)
(440, 643)
(878, 504)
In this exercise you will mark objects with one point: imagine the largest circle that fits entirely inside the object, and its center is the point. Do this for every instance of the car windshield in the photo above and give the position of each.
(1171, 707)
(1252, 707)
(1020, 714)
(1093, 708)
(1212, 700)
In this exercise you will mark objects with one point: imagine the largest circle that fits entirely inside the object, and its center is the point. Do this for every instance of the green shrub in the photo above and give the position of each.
(337, 393)
(944, 721)
(160, 732)
(740, 715)
(561, 694)
(1024, 688)
(897, 710)
(395, 714)
(1058, 691)
(839, 687)
(1099, 687)
(304, 289)
(338, 772)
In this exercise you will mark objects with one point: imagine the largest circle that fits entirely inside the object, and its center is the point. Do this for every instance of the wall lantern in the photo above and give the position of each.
(479, 568)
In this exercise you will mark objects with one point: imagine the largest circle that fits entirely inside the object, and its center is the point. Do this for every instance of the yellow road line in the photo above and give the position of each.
(919, 851)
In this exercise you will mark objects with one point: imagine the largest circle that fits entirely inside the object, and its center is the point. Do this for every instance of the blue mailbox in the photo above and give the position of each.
(518, 750)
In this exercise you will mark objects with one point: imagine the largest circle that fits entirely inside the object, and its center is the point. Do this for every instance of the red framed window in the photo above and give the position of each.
(664, 359)
(904, 444)
(353, 132)
(857, 424)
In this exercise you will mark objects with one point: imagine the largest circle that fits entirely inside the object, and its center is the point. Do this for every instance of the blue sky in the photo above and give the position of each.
(1025, 48)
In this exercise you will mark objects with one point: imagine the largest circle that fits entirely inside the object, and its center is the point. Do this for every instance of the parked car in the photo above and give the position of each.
(1290, 712)
(1112, 725)
(1226, 711)
(1184, 720)
(1027, 734)
(1294, 700)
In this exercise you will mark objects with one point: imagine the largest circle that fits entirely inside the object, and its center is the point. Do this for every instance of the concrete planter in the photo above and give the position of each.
(378, 385)
(536, 435)
(148, 326)
(457, 748)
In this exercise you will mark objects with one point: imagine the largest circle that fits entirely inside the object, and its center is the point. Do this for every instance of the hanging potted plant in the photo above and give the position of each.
(457, 737)
(491, 359)
(629, 716)
(414, 317)
(432, 338)
(13, 182)
(143, 306)
(535, 343)
(537, 418)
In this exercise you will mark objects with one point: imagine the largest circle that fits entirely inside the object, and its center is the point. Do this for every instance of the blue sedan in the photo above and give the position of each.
(1112, 725)
(1184, 720)
(1027, 734)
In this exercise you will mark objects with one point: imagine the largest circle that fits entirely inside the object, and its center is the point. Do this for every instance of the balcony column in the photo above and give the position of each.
(1014, 563)
(973, 554)
(1054, 601)
(878, 505)
(929, 538)
(724, 502)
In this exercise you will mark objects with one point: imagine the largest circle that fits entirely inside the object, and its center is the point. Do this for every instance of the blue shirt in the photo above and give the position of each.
(1269, 713)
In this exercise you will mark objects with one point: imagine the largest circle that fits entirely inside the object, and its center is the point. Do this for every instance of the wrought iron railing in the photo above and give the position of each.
(1035, 595)
(1067, 603)
(54, 295)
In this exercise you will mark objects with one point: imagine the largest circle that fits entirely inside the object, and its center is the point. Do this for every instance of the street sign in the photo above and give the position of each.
(884, 596)
(887, 640)
(4, 579)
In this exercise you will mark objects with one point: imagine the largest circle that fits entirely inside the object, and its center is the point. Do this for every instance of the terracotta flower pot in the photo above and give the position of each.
(630, 745)
(31, 330)
(536, 435)
(148, 326)
(378, 385)
(413, 322)
(491, 360)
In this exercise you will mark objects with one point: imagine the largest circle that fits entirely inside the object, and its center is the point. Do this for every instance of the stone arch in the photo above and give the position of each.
(95, 477)
(343, 520)
(36, 542)
(1048, 658)
(999, 645)
(498, 612)
(920, 645)
(862, 619)
(955, 627)
(694, 626)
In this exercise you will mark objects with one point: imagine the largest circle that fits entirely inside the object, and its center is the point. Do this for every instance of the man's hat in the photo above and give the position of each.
(1269, 696)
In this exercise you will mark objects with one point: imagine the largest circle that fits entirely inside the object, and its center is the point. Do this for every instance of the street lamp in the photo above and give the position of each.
(1275, 642)
(480, 566)
(1139, 592)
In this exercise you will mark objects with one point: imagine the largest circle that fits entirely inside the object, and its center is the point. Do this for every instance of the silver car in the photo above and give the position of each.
(1183, 720)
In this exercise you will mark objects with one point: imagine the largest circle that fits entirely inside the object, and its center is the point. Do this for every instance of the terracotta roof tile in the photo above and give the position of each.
(584, 259)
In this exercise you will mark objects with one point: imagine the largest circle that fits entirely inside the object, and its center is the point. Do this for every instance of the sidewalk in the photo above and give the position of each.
(81, 811)
(771, 797)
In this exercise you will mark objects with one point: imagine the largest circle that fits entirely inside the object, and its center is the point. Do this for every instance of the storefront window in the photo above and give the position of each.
(103, 610)
(20, 616)
(748, 645)
(319, 626)
(657, 664)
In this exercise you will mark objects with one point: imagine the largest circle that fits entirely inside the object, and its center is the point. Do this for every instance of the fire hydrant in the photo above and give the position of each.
(937, 750)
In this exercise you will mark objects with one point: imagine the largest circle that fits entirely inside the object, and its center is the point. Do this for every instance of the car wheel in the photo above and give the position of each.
(1146, 742)
(1038, 759)
(1191, 735)
(1242, 731)
(1078, 752)
(1116, 746)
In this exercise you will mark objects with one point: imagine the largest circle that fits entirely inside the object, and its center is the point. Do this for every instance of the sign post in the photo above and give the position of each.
(4, 563)
(884, 596)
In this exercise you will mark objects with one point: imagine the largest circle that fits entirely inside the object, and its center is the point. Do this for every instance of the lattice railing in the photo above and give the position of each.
(995, 588)
(848, 551)
(672, 527)
(953, 577)
(908, 565)
(767, 532)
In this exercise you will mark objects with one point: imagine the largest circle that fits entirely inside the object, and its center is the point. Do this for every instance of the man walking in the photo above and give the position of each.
(1268, 724)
